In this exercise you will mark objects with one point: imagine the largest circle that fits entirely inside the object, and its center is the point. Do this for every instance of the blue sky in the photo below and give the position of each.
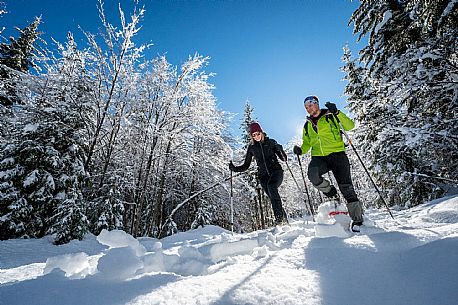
(271, 52)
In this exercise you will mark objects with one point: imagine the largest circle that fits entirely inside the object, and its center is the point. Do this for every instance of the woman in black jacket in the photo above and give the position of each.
(270, 172)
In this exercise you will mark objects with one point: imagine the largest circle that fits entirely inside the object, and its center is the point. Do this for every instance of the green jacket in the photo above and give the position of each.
(325, 138)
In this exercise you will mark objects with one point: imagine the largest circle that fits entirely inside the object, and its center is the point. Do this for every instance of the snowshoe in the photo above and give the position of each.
(332, 220)
(355, 226)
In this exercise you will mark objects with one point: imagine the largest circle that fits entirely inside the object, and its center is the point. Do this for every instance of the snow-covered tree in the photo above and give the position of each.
(405, 94)
(17, 55)
(203, 216)
(44, 154)
(109, 139)
(114, 64)
(195, 150)
(42, 167)
(2, 12)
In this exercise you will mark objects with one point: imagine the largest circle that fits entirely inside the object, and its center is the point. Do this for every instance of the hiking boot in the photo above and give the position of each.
(356, 226)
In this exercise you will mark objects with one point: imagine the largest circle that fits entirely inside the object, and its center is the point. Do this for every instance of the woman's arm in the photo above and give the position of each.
(246, 164)
(278, 149)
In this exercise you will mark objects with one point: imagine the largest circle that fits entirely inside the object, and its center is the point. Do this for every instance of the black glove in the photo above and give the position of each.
(297, 150)
(231, 166)
(332, 107)
(283, 156)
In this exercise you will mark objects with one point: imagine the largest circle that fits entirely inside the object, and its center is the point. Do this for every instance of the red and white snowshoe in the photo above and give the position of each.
(332, 220)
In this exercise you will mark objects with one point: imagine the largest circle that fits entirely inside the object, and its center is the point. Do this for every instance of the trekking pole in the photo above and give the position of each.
(232, 200)
(232, 207)
(305, 184)
(362, 163)
(299, 188)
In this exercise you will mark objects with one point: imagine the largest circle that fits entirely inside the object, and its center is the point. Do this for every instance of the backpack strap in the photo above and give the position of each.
(306, 125)
(330, 116)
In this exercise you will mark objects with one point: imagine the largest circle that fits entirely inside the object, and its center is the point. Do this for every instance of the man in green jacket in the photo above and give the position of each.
(321, 133)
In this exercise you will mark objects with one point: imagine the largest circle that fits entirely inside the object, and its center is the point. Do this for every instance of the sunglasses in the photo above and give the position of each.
(311, 99)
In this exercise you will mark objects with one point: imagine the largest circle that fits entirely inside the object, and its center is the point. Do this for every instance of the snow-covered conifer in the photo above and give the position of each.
(408, 106)
(17, 55)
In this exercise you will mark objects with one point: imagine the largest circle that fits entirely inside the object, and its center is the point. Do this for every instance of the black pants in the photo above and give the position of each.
(270, 185)
(340, 166)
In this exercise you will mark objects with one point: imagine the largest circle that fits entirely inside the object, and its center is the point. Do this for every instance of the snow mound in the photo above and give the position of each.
(336, 225)
(120, 239)
(445, 211)
(74, 265)
(119, 264)
(218, 252)
(330, 230)
(159, 262)
(191, 253)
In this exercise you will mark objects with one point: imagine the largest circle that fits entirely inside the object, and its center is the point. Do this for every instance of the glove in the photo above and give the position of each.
(283, 156)
(231, 166)
(297, 150)
(332, 107)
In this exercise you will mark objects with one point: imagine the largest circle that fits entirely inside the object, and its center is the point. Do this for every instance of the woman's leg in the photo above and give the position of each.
(272, 186)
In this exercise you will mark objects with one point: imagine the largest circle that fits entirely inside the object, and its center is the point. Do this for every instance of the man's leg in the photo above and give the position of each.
(317, 168)
(341, 169)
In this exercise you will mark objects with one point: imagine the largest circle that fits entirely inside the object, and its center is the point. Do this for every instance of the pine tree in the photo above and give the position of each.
(106, 212)
(17, 55)
(203, 216)
(41, 168)
(2, 12)
(43, 159)
(408, 106)
(244, 126)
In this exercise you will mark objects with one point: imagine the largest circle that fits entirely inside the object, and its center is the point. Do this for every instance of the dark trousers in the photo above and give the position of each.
(270, 185)
(340, 166)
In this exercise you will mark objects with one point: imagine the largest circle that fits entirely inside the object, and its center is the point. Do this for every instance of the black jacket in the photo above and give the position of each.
(265, 153)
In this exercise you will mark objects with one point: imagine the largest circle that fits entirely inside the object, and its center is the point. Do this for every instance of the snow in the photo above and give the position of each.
(411, 259)
(386, 17)
(447, 10)
(31, 179)
(31, 128)
(337, 225)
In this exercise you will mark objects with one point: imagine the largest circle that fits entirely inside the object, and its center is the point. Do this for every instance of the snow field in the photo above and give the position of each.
(409, 260)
